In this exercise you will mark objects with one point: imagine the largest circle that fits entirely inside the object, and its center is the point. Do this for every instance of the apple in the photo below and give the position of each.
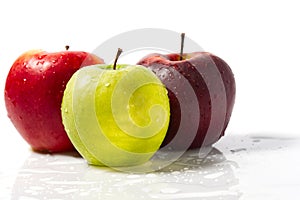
(33, 95)
(201, 88)
(115, 115)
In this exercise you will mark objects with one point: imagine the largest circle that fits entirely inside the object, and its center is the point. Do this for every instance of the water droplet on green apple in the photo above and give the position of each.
(66, 110)
(107, 84)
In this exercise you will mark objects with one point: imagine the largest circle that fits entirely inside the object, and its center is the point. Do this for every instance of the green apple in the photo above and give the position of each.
(116, 115)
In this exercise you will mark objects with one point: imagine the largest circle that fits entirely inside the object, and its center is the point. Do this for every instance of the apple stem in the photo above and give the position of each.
(181, 46)
(117, 57)
(67, 47)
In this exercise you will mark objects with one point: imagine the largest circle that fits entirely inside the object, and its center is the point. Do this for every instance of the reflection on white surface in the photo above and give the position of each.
(239, 167)
(191, 177)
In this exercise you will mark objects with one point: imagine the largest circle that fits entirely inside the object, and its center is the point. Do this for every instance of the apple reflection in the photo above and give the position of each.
(45, 176)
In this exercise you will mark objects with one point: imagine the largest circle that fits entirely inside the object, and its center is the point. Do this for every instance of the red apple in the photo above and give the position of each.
(201, 90)
(33, 96)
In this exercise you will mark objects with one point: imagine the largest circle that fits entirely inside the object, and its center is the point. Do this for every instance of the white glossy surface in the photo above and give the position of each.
(239, 167)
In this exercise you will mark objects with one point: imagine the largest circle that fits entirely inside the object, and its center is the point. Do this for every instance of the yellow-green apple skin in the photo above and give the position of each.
(116, 117)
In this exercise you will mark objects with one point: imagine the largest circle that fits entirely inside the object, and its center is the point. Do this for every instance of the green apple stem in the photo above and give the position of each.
(117, 57)
(181, 46)
(67, 47)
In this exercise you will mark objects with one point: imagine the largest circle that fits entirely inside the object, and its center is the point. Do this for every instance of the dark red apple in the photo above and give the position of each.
(201, 90)
(33, 95)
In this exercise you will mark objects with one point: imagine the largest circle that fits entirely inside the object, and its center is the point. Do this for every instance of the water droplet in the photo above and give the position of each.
(53, 61)
(175, 173)
(66, 110)
(133, 176)
(151, 175)
(169, 190)
(42, 56)
(107, 84)
(148, 190)
(238, 150)
(24, 79)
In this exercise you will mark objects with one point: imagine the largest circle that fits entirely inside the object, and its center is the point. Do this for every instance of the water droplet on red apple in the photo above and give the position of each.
(42, 56)
(40, 62)
(24, 80)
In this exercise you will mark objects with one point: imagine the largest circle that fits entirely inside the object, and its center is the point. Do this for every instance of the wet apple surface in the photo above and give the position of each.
(116, 117)
(33, 94)
(199, 117)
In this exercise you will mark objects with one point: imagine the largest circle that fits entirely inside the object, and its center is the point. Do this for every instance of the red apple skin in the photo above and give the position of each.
(33, 94)
(163, 65)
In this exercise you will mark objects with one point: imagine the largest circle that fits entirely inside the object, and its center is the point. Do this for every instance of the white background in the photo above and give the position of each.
(260, 40)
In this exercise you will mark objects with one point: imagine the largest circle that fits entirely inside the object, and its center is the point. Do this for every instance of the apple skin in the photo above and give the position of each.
(191, 67)
(33, 95)
(116, 117)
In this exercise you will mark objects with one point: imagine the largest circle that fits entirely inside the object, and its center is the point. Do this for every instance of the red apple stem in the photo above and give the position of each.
(117, 57)
(181, 46)
(67, 47)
